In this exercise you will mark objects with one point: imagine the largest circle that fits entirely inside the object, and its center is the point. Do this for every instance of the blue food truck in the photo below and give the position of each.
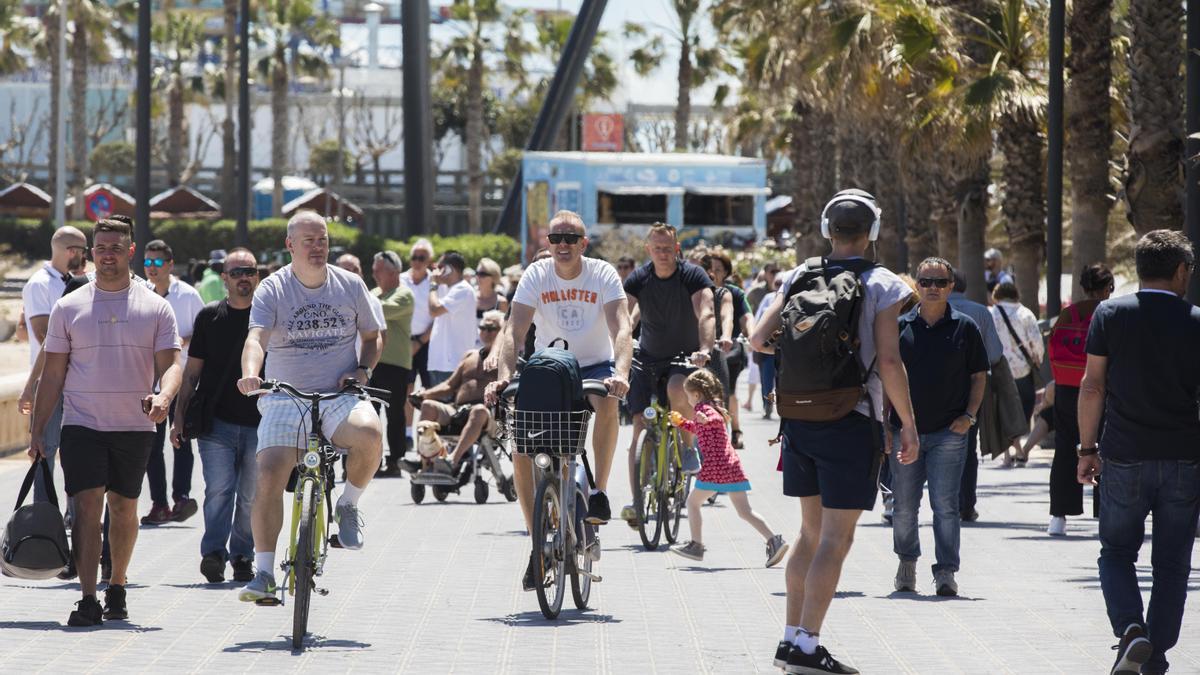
(718, 198)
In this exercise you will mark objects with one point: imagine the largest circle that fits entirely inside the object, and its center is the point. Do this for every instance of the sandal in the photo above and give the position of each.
(736, 439)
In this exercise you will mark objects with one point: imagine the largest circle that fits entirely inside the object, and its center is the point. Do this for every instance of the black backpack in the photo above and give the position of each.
(34, 544)
(550, 381)
(821, 377)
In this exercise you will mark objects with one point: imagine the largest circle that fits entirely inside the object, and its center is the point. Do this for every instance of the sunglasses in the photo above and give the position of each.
(929, 282)
(560, 237)
(489, 328)
(238, 272)
(155, 262)
(419, 258)
(482, 273)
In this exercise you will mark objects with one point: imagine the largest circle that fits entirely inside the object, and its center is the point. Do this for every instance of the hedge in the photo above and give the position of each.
(193, 239)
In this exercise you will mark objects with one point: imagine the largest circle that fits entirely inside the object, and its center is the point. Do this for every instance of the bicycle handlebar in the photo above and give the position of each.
(348, 387)
(590, 388)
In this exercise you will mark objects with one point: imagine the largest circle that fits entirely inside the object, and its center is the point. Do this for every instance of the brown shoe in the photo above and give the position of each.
(159, 514)
(184, 508)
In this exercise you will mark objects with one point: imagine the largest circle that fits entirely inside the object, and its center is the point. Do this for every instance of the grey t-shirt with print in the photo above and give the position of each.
(883, 289)
(313, 331)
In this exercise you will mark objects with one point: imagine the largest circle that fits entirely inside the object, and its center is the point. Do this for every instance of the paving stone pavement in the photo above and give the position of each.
(436, 590)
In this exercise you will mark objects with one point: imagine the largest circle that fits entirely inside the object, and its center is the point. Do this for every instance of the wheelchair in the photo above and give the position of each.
(481, 467)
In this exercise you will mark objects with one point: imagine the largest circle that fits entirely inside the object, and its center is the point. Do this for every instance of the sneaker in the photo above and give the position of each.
(629, 515)
(528, 583)
(69, 573)
(906, 576)
(970, 516)
(349, 525)
(87, 612)
(159, 514)
(114, 603)
(212, 566)
(184, 508)
(243, 569)
(1132, 651)
(691, 461)
(1057, 526)
(692, 550)
(821, 661)
(782, 651)
(767, 410)
(735, 439)
(776, 549)
(599, 512)
(944, 581)
(888, 508)
(262, 587)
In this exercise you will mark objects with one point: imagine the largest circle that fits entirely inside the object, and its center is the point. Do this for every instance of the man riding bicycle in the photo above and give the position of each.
(673, 300)
(564, 297)
(310, 316)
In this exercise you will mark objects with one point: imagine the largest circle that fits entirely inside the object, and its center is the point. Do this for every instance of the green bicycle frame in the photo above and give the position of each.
(308, 474)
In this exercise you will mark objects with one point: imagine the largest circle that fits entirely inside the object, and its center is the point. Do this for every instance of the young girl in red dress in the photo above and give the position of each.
(721, 470)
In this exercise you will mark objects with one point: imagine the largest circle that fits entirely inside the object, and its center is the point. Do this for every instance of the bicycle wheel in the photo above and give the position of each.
(304, 565)
(547, 555)
(646, 499)
(581, 557)
(676, 491)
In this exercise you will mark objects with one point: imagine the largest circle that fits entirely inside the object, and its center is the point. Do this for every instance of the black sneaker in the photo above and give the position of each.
(599, 512)
(969, 515)
(243, 569)
(114, 603)
(87, 612)
(528, 583)
(69, 573)
(782, 652)
(212, 566)
(799, 663)
(1133, 650)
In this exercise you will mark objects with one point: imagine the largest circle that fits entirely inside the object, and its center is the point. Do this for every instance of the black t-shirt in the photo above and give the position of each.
(940, 360)
(1153, 374)
(740, 309)
(668, 321)
(218, 335)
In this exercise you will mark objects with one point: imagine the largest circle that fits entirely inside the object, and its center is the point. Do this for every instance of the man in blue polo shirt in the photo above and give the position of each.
(944, 354)
(1142, 376)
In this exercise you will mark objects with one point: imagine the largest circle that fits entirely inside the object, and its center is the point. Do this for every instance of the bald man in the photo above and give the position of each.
(68, 249)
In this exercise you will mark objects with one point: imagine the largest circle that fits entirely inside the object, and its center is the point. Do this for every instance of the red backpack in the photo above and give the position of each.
(1068, 342)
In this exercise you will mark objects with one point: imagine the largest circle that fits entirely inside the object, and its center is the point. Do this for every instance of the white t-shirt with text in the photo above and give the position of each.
(572, 309)
(454, 332)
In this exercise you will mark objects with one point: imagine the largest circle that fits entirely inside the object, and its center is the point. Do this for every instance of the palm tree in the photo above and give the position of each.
(1154, 160)
(696, 63)
(227, 92)
(177, 38)
(14, 33)
(1089, 130)
(285, 21)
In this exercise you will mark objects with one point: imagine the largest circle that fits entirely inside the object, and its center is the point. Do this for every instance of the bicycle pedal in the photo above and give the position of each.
(322, 591)
(268, 602)
(596, 578)
(334, 541)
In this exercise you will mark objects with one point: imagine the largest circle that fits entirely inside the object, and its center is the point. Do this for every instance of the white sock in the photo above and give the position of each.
(597, 492)
(806, 642)
(789, 633)
(264, 562)
(350, 494)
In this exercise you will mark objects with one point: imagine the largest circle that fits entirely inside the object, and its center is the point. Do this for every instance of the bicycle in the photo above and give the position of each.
(662, 485)
(564, 543)
(308, 544)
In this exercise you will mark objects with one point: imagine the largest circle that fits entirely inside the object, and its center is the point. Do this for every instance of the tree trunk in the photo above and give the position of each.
(474, 140)
(971, 194)
(889, 195)
(279, 126)
(814, 163)
(683, 104)
(229, 191)
(1154, 160)
(176, 137)
(1020, 139)
(920, 232)
(79, 126)
(52, 28)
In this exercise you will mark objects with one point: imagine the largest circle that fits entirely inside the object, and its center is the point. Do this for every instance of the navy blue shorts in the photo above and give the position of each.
(597, 371)
(838, 460)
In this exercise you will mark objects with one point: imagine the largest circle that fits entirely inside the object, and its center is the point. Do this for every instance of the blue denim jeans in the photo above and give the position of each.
(766, 373)
(229, 463)
(1171, 490)
(940, 462)
(50, 440)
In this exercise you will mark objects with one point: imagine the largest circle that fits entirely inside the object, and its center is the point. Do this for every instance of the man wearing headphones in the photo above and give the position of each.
(832, 467)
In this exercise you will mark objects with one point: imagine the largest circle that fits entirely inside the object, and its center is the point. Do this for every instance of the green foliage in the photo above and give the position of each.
(323, 158)
(113, 158)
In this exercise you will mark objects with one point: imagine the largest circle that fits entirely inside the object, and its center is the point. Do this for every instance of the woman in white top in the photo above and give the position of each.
(1023, 348)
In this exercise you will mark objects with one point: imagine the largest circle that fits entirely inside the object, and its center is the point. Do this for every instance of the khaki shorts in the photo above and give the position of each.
(285, 420)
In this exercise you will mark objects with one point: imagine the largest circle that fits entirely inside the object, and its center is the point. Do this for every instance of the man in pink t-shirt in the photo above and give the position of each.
(105, 346)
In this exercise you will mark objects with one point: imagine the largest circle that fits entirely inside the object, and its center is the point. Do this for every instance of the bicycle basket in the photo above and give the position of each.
(559, 433)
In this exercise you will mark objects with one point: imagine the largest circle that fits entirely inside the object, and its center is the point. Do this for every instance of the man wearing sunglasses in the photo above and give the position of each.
(947, 366)
(185, 301)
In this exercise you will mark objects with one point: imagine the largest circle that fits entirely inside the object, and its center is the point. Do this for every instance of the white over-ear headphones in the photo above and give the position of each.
(857, 196)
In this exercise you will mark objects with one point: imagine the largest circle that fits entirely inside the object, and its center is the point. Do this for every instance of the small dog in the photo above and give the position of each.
(430, 446)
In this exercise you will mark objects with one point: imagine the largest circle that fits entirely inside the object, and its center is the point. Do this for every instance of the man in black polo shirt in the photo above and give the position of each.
(1142, 376)
(947, 365)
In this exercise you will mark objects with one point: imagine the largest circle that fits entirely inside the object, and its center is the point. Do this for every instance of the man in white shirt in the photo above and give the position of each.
(580, 300)
(185, 301)
(68, 250)
(418, 280)
(452, 306)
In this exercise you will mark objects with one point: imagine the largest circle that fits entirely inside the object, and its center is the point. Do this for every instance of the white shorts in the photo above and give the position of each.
(285, 420)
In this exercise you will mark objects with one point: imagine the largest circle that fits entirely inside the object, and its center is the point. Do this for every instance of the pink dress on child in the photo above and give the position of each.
(721, 470)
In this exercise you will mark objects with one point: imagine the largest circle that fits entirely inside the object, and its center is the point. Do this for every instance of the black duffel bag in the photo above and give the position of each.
(34, 544)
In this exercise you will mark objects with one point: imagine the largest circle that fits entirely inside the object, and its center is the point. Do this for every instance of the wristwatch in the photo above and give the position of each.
(366, 369)
(970, 417)
(1084, 452)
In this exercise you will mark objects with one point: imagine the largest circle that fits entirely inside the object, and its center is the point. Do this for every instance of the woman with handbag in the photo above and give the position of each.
(1022, 340)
